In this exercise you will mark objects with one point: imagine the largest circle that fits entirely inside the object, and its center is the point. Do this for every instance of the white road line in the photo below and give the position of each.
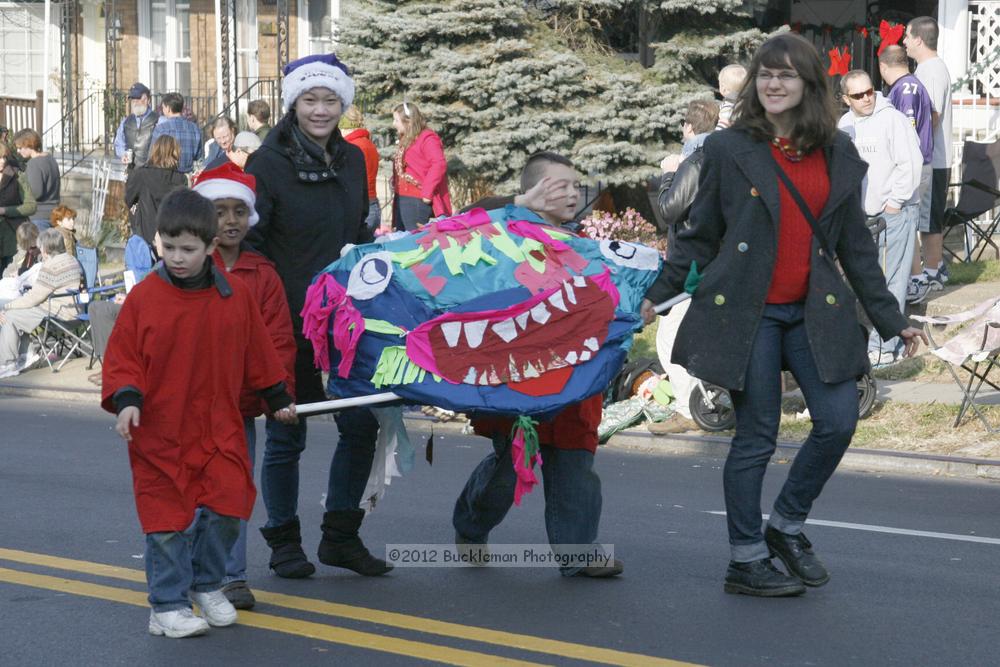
(893, 531)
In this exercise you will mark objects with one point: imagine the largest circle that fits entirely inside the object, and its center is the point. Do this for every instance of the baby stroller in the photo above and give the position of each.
(712, 406)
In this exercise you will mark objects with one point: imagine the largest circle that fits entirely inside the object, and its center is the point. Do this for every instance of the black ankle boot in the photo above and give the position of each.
(287, 558)
(341, 546)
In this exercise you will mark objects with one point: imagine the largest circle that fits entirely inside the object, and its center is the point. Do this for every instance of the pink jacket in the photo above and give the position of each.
(425, 161)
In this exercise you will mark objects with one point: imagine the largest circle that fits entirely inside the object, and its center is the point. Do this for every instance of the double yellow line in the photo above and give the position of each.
(325, 632)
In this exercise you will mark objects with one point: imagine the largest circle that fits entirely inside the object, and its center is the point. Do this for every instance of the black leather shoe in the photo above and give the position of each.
(796, 552)
(761, 578)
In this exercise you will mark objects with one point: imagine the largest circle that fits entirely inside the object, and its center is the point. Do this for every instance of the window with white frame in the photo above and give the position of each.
(320, 17)
(167, 27)
(22, 49)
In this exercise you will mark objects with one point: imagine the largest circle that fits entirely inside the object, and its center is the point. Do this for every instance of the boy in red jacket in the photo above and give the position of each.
(234, 194)
(568, 440)
(185, 344)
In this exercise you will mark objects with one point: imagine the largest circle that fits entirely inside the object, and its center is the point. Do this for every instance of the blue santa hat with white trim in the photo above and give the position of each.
(319, 71)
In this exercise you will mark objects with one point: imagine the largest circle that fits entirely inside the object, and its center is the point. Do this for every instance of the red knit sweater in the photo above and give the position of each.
(790, 280)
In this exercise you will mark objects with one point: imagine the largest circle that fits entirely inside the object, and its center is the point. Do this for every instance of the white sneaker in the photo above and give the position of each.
(935, 280)
(917, 289)
(216, 609)
(176, 624)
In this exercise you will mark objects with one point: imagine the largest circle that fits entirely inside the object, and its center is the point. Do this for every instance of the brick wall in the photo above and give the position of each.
(203, 47)
(128, 48)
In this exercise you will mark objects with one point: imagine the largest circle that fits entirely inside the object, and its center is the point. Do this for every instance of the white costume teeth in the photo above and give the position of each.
(451, 331)
(540, 313)
(474, 332)
(570, 292)
(557, 301)
(506, 330)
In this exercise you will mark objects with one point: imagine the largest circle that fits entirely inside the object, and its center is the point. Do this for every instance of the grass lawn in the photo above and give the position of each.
(963, 273)
(912, 427)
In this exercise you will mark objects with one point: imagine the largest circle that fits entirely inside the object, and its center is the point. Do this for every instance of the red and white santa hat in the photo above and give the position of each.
(229, 182)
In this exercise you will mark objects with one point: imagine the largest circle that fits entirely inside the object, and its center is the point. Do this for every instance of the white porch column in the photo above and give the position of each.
(953, 41)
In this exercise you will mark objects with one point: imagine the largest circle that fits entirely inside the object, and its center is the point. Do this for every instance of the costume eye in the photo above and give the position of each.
(370, 276)
(631, 255)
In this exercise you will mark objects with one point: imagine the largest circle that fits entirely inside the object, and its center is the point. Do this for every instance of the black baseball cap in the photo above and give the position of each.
(137, 90)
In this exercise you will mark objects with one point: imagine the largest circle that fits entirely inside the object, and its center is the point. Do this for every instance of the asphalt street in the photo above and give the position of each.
(913, 562)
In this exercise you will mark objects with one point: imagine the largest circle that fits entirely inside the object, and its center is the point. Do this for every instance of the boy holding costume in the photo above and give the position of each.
(186, 342)
(233, 193)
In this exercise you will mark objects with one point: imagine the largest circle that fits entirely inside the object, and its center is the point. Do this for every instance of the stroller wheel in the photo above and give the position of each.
(866, 395)
(712, 407)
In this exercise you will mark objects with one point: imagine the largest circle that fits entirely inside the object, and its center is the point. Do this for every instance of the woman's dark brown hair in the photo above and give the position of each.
(815, 117)
(166, 153)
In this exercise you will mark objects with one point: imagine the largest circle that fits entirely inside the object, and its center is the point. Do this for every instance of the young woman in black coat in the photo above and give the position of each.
(771, 296)
(149, 184)
(312, 199)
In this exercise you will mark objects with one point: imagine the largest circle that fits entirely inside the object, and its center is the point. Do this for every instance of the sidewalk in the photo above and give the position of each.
(71, 384)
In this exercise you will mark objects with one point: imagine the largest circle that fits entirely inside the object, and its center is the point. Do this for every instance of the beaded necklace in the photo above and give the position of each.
(791, 154)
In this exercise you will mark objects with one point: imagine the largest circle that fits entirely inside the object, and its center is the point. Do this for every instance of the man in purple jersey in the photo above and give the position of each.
(910, 97)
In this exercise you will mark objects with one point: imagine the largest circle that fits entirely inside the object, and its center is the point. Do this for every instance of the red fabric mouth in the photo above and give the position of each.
(563, 327)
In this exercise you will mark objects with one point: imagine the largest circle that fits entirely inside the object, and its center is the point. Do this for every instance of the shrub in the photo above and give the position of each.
(627, 226)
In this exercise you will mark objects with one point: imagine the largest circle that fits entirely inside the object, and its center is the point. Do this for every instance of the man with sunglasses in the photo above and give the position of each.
(887, 141)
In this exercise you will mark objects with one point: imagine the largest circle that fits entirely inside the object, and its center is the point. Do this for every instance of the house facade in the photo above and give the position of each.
(83, 55)
(220, 54)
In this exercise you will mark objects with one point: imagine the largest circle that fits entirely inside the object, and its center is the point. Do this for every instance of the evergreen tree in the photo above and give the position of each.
(698, 37)
(500, 80)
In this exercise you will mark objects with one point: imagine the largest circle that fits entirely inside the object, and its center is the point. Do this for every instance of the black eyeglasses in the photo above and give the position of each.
(862, 95)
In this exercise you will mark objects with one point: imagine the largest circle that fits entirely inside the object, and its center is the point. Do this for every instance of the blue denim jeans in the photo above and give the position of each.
(572, 497)
(236, 561)
(411, 212)
(352, 462)
(895, 253)
(192, 560)
(781, 341)
(374, 218)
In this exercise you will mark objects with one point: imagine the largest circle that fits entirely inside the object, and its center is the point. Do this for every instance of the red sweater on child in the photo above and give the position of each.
(790, 280)
(259, 274)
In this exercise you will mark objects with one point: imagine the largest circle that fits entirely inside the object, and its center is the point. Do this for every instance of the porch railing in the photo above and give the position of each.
(82, 131)
(976, 98)
(18, 113)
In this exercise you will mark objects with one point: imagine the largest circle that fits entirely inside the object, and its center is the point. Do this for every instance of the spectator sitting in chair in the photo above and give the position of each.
(59, 273)
(27, 250)
(63, 218)
(20, 275)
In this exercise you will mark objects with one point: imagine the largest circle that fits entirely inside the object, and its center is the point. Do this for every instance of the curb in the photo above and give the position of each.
(29, 391)
(867, 460)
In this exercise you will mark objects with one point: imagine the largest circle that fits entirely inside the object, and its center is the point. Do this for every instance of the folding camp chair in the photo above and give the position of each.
(60, 338)
(976, 349)
(975, 213)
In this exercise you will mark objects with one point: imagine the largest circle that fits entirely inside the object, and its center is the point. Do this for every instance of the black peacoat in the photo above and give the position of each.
(733, 238)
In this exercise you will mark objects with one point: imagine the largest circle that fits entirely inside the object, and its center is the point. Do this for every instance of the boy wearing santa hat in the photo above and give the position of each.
(233, 193)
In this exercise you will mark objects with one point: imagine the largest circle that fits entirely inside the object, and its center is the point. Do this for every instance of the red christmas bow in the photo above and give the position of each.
(889, 34)
(840, 63)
